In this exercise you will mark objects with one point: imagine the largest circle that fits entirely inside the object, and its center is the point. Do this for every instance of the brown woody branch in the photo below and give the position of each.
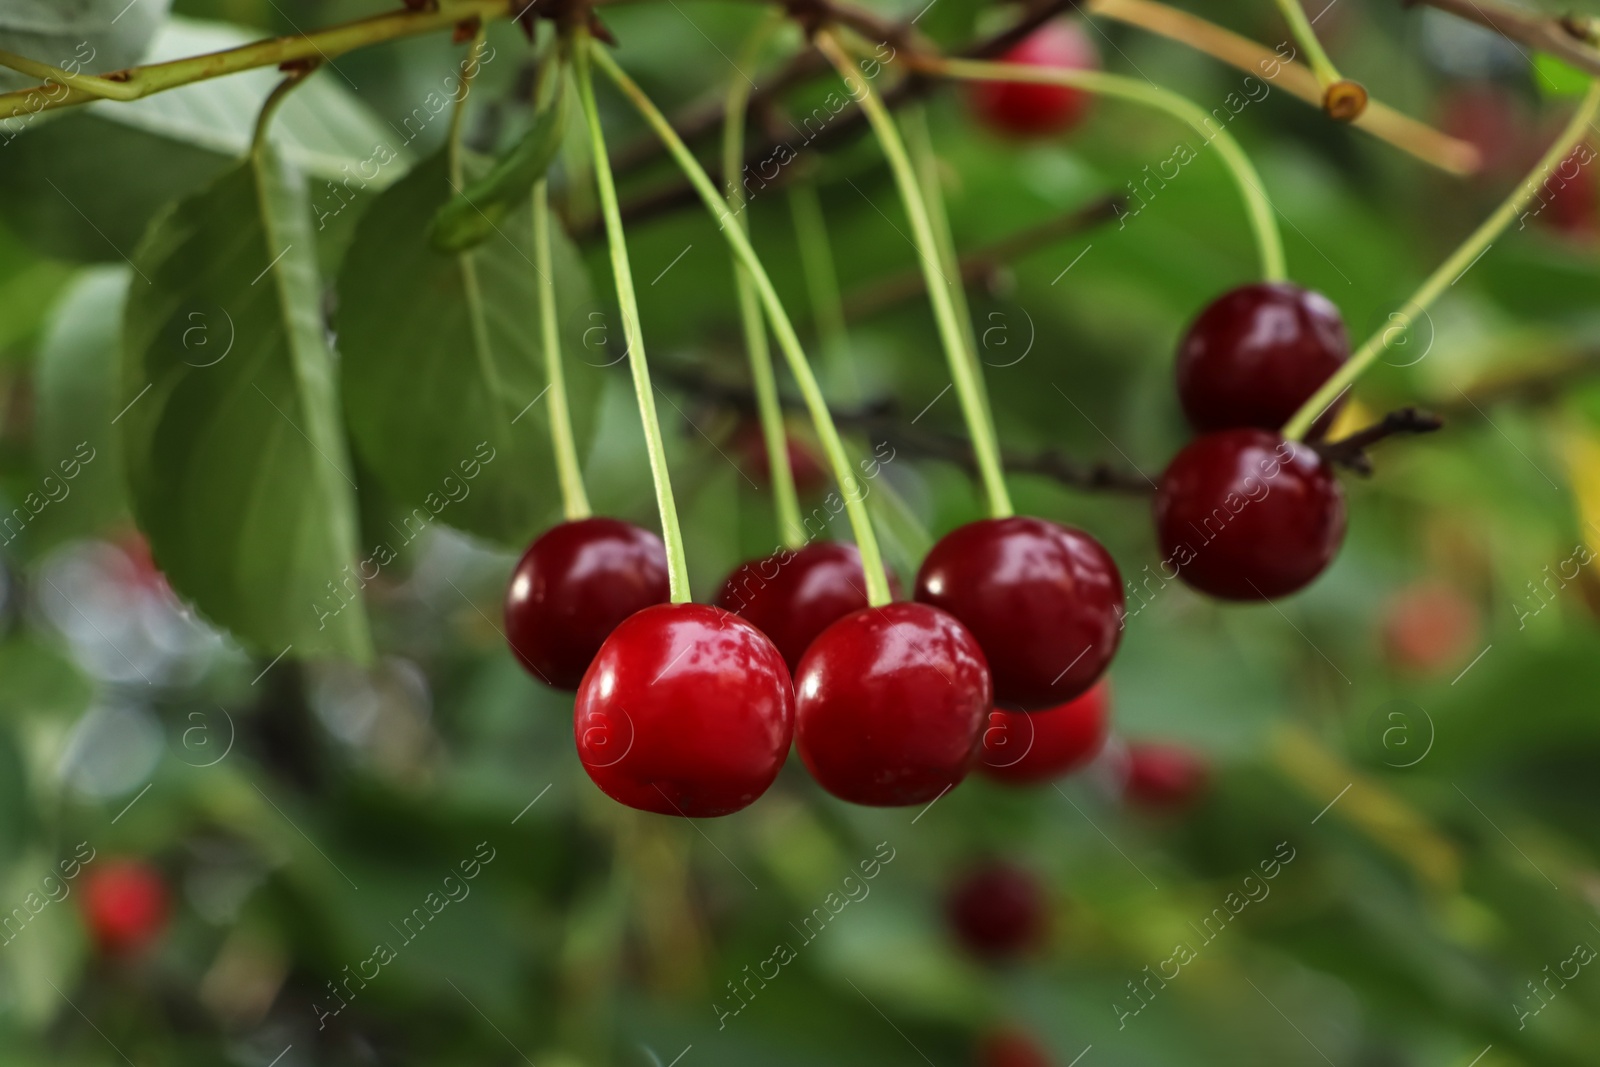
(1351, 452)
(1567, 39)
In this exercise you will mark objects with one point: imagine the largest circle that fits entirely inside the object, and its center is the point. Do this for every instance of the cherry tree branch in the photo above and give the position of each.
(1351, 452)
(1569, 40)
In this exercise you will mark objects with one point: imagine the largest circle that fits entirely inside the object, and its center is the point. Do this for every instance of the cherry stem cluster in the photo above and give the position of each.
(1448, 272)
(1263, 221)
(788, 341)
(958, 347)
(785, 498)
(574, 500)
(671, 531)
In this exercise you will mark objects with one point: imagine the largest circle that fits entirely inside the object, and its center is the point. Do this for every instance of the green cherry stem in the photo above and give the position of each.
(1448, 272)
(849, 485)
(1306, 37)
(785, 498)
(671, 532)
(957, 348)
(1263, 222)
(574, 501)
(919, 141)
(822, 280)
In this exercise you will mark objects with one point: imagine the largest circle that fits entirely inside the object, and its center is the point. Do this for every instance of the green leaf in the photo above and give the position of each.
(442, 365)
(1556, 78)
(468, 219)
(54, 193)
(237, 470)
(76, 386)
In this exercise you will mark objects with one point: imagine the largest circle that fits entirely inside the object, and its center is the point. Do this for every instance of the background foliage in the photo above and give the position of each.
(306, 766)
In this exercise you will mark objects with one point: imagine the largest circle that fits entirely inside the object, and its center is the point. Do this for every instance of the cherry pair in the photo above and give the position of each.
(1241, 512)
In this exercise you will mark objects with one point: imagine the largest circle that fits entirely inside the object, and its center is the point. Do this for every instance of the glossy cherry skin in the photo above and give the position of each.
(1248, 515)
(998, 911)
(1011, 1048)
(793, 595)
(1021, 109)
(1043, 600)
(125, 905)
(890, 705)
(687, 710)
(1027, 748)
(1256, 353)
(571, 589)
(1164, 776)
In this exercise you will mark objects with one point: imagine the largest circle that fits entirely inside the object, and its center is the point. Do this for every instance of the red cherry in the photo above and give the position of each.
(890, 704)
(750, 445)
(1568, 200)
(1043, 600)
(687, 710)
(1429, 628)
(1258, 352)
(1025, 748)
(1011, 1048)
(998, 911)
(125, 905)
(1164, 775)
(571, 589)
(1248, 515)
(793, 595)
(1026, 110)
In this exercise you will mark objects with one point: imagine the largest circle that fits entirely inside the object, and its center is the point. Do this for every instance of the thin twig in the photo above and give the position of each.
(1351, 451)
(1555, 36)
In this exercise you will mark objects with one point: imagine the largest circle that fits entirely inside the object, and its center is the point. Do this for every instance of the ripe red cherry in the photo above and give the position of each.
(793, 595)
(998, 911)
(687, 710)
(1164, 776)
(1258, 352)
(1025, 748)
(1043, 600)
(571, 589)
(1569, 201)
(1011, 1048)
(1430, 627)
(890, 703)
(1248, 515)
(125, 905)
(1025, 110)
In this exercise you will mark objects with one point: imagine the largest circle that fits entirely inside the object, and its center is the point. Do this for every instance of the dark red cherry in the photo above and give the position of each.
(1164, 775)
(1569, 201)
(998, 911)
(1043, 600)
(1011, 1048)
(571, 589)
(1025, 748)
(1025, 110)
(795, 594)
(687, 710)
(1248, 515)
(890, 703)
(1258, 352)
(125, 905)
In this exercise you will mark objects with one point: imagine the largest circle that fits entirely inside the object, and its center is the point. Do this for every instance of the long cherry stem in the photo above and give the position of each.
(1450, 271)
(1263, 223)
(822, 281)
(957, 348)
(764, 383)
(788, 341)
(671, 532)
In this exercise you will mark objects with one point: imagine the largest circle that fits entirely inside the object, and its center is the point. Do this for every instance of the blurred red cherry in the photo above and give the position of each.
(1164, 776)
(1493, 120)
(998, 911)
(686, 710)
(1025, 110)
(1429, 628)
(750, 447)
(889, 705)
(1567, 201)
(124, 904)
(1030, 747)
(572, 587)
(1011, 1048)
(793, 595)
